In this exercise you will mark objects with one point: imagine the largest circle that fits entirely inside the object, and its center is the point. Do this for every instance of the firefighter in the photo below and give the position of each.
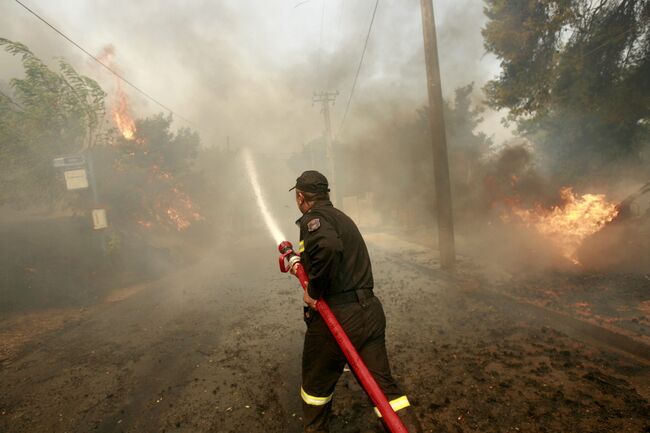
(336, 260)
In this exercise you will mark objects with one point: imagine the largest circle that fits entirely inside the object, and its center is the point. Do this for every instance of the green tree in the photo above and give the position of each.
(48, 113)
(576, 76)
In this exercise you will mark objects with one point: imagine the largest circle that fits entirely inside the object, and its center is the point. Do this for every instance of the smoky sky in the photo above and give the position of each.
(247, 69)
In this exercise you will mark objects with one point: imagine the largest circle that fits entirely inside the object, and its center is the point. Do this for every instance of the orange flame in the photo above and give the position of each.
(122, 115)
(178, 219)
(569, 224)
(145, 224)
(121, 111)
(176, 204)
(172, 205)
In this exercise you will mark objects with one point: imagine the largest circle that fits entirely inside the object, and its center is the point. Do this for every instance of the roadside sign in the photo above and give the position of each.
(76, 179)
(69, 161)
(99, 219)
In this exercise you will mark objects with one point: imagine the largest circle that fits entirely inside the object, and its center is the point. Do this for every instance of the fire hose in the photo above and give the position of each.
(290, 262)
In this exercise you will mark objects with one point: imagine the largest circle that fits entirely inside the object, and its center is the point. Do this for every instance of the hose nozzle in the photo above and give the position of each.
(285, 246)
(288, 257)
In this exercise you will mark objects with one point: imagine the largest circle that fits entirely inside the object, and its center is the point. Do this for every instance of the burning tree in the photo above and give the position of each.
(141, 164)
(575, 77)
(151, 163)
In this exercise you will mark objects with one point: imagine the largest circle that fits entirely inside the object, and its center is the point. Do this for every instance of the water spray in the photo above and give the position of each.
(271, 225)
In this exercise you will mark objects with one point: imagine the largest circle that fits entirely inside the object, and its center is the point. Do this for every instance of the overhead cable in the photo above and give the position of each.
(356, 76)
(108, 68)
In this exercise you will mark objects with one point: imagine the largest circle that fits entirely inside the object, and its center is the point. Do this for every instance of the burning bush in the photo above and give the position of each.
(568, 224)
(151, 162)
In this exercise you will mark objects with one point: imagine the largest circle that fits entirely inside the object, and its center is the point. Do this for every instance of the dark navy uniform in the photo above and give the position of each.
(336, 259)
(336, 256)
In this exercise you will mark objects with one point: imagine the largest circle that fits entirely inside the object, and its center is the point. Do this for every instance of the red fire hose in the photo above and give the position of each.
(290, 262)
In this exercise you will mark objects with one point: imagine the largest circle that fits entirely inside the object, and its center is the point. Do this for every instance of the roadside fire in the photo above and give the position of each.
(120, 110)
(171, 206)
(121, 115)
(566, 225)
(145, 224)
(174, 203)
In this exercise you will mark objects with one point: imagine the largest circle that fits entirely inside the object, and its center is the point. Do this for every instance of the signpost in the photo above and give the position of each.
(79, 174)
(69, 161)
(99, 219)
(76, 179)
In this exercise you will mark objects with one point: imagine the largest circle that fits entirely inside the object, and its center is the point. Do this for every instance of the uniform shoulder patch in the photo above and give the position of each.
(313, 225)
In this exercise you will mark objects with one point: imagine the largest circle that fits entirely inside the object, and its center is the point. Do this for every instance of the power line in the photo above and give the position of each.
(322, 19)
(301, 3)
(108, 68)
(356, 76)
(320, 39)
(336, 38)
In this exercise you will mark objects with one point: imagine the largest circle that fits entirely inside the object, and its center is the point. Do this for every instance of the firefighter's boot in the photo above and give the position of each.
(409, 420)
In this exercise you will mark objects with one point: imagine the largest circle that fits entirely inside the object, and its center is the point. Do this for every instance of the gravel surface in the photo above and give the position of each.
(216, 348)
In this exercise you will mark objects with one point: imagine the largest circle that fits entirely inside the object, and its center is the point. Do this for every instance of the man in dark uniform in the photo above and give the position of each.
(336, 259)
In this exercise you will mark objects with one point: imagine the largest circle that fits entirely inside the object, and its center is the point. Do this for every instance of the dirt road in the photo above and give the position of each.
(217, 348)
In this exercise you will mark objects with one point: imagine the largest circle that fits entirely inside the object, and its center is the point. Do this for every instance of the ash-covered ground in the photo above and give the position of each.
(215, 347)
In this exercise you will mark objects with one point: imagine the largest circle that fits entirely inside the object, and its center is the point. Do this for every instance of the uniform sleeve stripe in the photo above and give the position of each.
(301, 247)
(397, 404)
(314, 401)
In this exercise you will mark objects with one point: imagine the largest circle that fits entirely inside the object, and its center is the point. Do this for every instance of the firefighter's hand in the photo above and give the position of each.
(309, 300)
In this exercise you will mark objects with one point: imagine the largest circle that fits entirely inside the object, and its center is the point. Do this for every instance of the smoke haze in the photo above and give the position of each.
(173, 316)
(228, 65)
(243, 73)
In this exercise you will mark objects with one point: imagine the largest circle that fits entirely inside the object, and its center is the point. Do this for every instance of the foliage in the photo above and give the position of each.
(157, 145)
(467, 146)
(48, 114)
(462, 120)
(143, 178)
(576, 76)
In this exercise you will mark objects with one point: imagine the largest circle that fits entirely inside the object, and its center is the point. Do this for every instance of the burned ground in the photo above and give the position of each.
(216, 348)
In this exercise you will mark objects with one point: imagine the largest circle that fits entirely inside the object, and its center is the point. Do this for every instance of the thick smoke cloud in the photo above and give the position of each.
(245, 71)
(229, 65)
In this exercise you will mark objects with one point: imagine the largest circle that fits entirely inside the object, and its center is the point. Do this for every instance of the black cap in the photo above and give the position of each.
(312, 181)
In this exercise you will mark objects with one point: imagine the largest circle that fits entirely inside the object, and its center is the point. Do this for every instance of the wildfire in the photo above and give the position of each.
(120, 110)
(122, 115)
(181, 211)
(171, 205)
(175, 203)
(145, 224)
(569, 224)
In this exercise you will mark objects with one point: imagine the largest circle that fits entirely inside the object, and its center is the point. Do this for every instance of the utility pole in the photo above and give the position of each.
(325, 98)
(439, 139)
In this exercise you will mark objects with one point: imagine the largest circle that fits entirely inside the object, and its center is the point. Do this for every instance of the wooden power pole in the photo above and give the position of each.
(439, 139)
(325, 98)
